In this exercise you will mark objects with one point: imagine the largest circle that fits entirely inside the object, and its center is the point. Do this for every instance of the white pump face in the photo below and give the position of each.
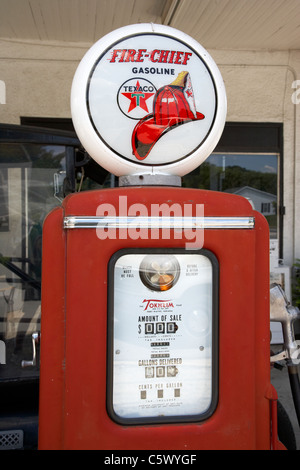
(162, 354)
(148, 99)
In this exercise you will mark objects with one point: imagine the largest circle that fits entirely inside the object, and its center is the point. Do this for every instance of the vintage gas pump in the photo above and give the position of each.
(155, 302)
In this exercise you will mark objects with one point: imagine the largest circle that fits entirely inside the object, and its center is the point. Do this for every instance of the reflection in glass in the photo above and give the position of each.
(253, 176)
(27, 196)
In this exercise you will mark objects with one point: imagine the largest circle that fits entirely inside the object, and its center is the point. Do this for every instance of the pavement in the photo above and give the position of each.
(280, 380)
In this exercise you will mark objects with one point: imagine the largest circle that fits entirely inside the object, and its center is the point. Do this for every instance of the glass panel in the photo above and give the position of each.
(27, 187)
(254, 176)
(4, 227)
(162, 351)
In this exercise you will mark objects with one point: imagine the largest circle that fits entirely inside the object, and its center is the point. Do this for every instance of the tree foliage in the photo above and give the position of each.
(211, 176)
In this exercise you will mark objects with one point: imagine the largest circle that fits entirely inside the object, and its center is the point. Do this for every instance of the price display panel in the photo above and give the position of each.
(162, 341)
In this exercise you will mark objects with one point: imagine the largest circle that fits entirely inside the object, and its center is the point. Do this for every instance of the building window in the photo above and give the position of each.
(248, 161)
(250, 175)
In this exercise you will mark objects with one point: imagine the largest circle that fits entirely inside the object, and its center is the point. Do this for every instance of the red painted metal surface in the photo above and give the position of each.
(73, 411)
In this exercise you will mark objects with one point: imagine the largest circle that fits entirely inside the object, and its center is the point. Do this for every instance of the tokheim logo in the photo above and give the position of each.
(135, 97)
(153, 303)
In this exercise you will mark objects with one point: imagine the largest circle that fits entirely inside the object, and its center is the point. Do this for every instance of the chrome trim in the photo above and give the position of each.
(159, 222)
(35, 337)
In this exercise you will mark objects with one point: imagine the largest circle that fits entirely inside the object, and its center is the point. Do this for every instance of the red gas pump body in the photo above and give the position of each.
(74, 353)
(195, 373)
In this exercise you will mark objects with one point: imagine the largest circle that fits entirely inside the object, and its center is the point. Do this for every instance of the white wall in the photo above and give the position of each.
(38, 78)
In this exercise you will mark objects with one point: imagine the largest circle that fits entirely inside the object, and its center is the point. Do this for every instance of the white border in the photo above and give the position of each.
(102, 154)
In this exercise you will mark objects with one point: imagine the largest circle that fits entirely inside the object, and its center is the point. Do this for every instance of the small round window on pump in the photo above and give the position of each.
(159, 272)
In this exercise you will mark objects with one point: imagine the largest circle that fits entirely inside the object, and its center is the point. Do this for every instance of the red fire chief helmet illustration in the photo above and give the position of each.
(173, 105)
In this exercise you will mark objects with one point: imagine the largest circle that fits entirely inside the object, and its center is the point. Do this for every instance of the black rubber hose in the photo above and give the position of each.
(295, 388)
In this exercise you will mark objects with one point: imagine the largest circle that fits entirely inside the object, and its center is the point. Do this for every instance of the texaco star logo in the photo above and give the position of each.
(135, 97)
(138, 97)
